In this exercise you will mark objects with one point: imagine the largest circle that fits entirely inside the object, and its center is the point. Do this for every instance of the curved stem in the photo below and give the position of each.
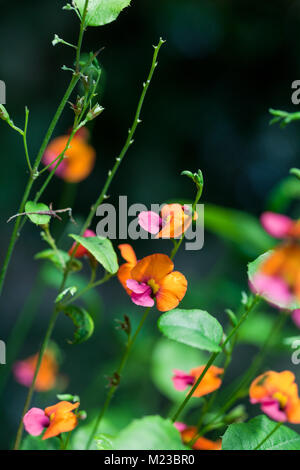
(276, 427)
(118, 372)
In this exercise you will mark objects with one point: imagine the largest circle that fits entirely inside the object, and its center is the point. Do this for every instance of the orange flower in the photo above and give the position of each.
(61, 418)
(124, 271)
(151, 278)
(277, 277)
(46, 378)
(277, 394)
(78, 161)
(188, 433)
(174, 221)
(56, 419)
(210, 382)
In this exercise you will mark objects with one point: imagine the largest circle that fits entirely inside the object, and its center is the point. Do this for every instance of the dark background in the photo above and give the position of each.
(224, 65)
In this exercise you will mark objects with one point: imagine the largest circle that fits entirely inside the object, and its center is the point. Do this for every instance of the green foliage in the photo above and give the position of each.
(38, 219)
(169, 355)
(83, 322)
(59, 258)
(283, 117)
(195, 328)
(36, 443)
(283, 194)
(104, 442)
(101, 248)
(149, 433)
(68, 397)
(101, 12)
(237, 227)
(246, 436)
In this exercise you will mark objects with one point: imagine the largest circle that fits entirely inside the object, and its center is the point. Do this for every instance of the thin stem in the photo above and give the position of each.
(37, 368)
(212, 358)
(177, 245)
(276, 427)
(30, 182)
(25, 139)
(118, 372)
(248, 376)
(129, 140)
(90, 286)
(82, 29)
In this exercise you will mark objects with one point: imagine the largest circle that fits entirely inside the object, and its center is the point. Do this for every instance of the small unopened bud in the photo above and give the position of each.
(94, 112)
(56, 40)
(82, 415)
(3, 113)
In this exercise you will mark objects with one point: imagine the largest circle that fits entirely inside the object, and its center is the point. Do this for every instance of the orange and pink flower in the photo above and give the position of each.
(175, 219)
(277, 394)
(277, 278)
(188, 433)
(55, 419)
(78, 161)
(47, 376)
(151, 279)
(210, 382)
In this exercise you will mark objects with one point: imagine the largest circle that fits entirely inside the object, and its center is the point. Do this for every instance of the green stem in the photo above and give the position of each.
(82, 28)
(276, 427)
(31, 389)
(249, 375)
(212, 358)
(25, 139)
(178, 244)
(30, 182)
(113, 388)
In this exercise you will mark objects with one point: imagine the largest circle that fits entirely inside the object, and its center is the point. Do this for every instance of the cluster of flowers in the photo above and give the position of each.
(153, 281)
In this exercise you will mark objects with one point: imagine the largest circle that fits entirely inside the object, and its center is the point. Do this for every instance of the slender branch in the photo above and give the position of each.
(25, 139)
(118, 373)
(82, 29)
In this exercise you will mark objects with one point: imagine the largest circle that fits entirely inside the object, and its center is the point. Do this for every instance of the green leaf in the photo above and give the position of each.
(83, 322)
(104, 442)
(169, 355)
(238, 227)
(59, 257)
(149, 433)
(101, 12)
(37, 219)
(195, 328)
(101, 248)
(246, 436)
(254, 267)
(36, 443)
(69, 290)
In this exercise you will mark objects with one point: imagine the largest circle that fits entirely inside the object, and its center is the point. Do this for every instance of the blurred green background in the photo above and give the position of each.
(225, 63)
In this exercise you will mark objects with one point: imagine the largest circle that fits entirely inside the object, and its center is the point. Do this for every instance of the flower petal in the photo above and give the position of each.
(172, 290)
(181, 380)
(35, 421)
(152, 267)
(150, 221)
(277, 225)
(127, 252)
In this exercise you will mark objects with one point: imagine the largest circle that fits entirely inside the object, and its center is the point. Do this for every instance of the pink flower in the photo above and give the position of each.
(181, 379)
(140, 293)
(35, 421)
(296, 317)
(180, 426)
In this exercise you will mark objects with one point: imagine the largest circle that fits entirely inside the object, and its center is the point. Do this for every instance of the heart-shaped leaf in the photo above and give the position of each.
(195, 328)
(101, 248)
(149, 433)
(247, 436)
(38, 219)
(83, 322)
(101, 12)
